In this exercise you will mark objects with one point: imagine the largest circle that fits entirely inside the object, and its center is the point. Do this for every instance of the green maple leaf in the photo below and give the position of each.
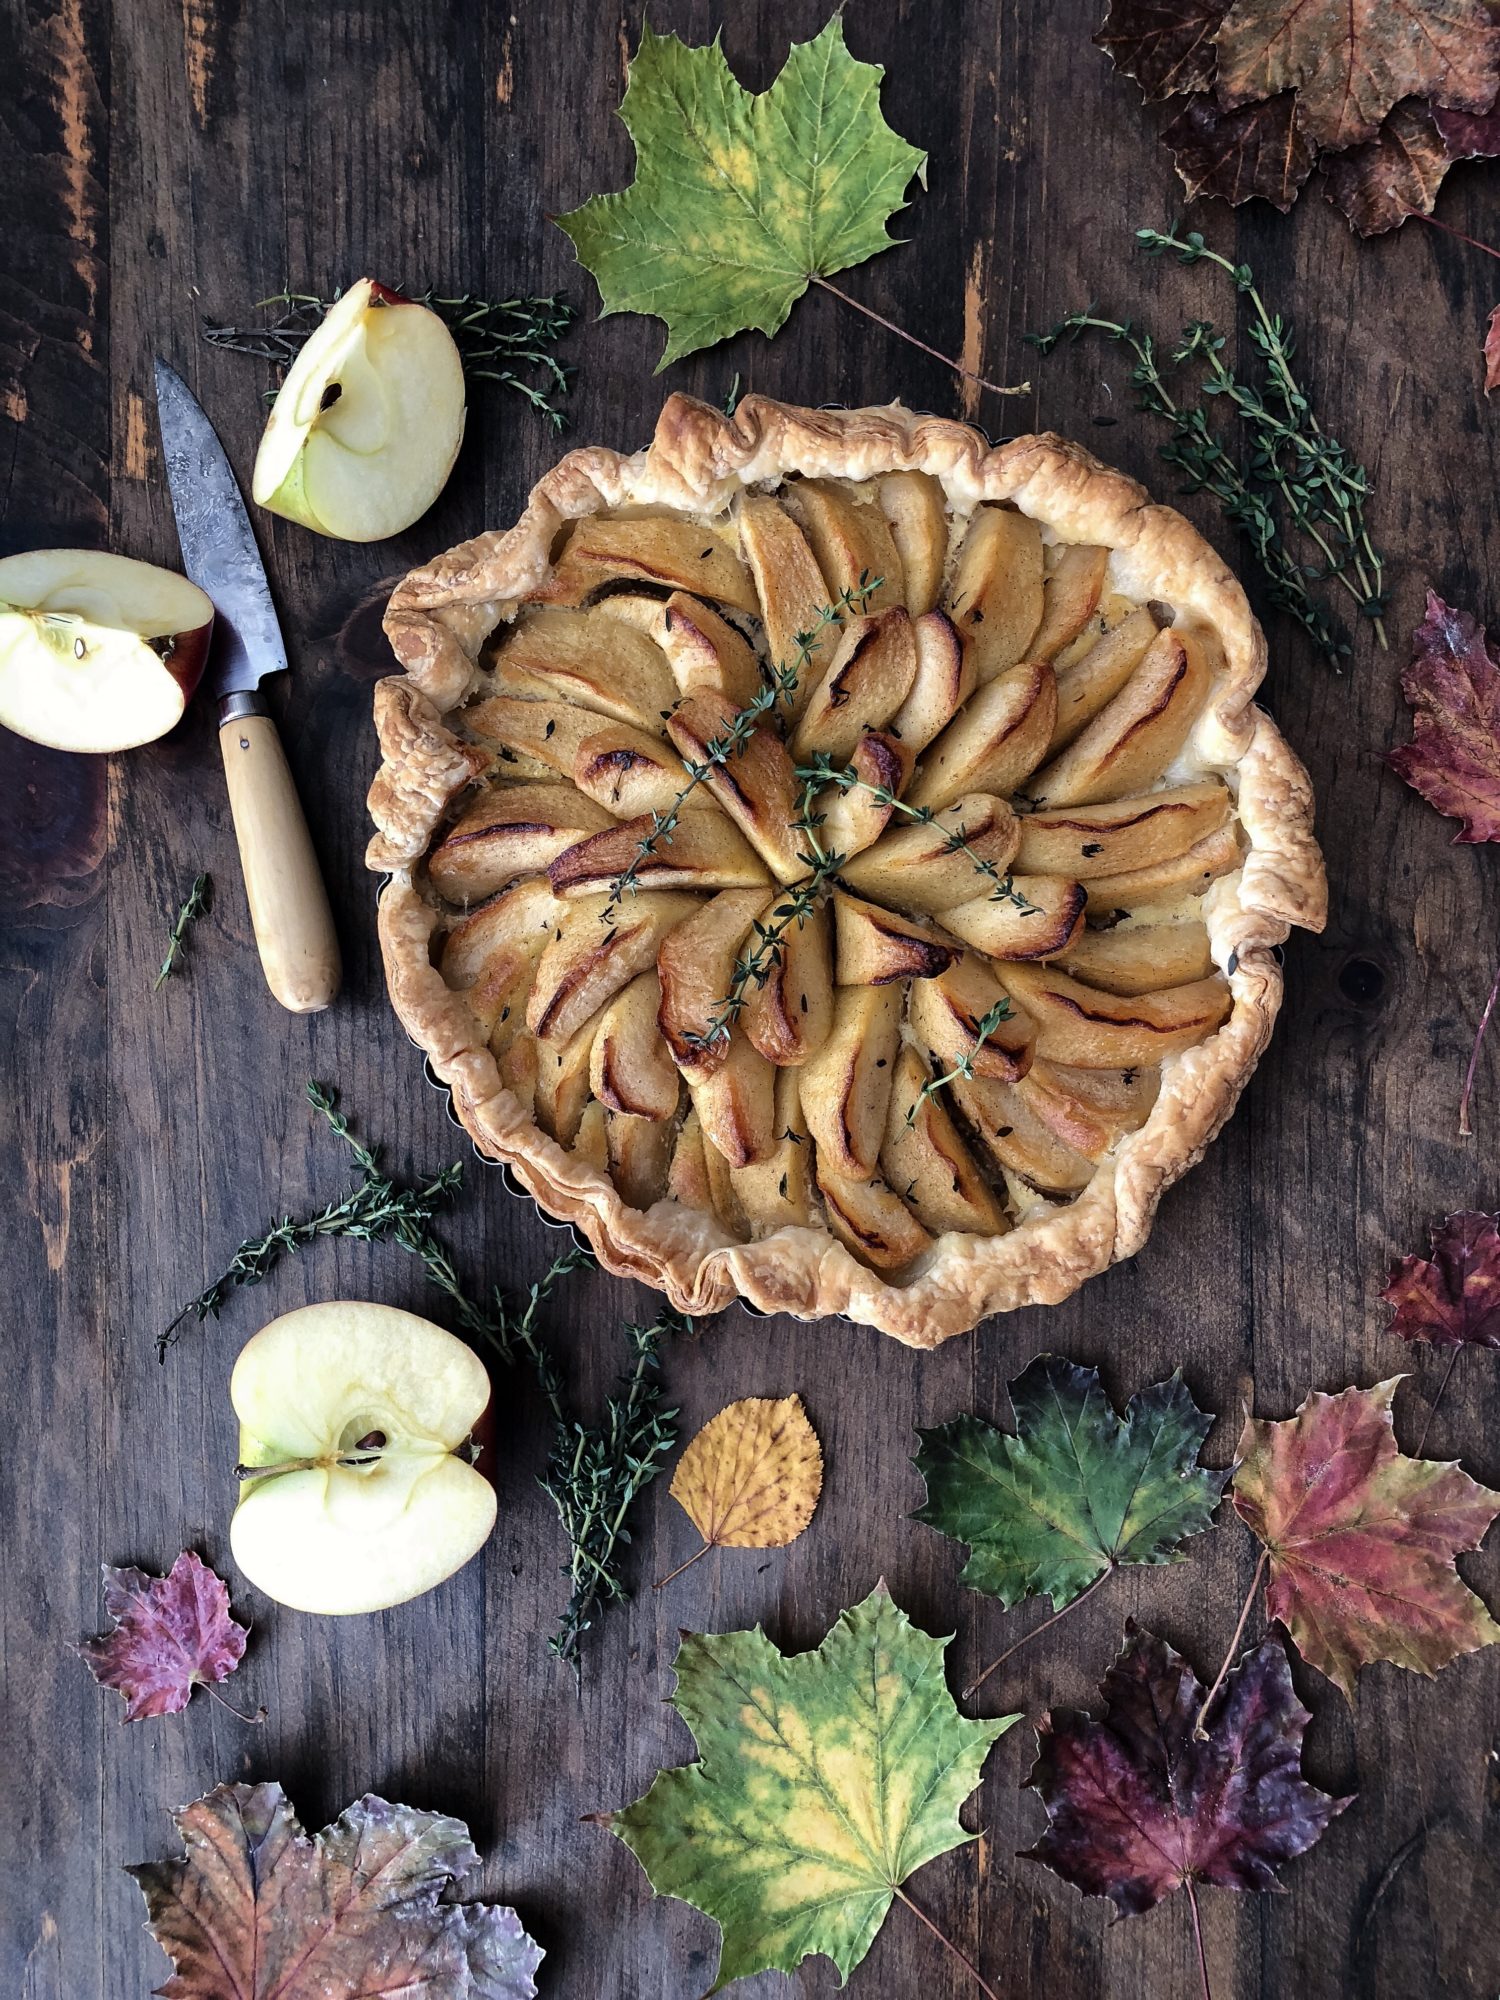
(824, 1781)
(739, 200)
(1077, 1491)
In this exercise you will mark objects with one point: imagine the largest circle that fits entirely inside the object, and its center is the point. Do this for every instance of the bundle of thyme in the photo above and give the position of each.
(1294, 476)
(496, 338)
(194, 906)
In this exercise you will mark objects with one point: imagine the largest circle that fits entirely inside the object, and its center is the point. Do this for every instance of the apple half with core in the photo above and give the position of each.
(357, 1489)
(97, 652)
(365, 429)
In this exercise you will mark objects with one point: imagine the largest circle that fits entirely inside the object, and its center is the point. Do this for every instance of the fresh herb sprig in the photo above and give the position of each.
(1295, 476)
(196, 903)
(963, 1065)
(496, 338)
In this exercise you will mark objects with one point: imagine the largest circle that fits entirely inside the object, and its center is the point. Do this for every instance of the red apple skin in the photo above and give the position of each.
(188, 658)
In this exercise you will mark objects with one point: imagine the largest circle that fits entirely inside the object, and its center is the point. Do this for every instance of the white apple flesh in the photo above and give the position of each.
(368, 422)
(367, 1409)
(97, 652)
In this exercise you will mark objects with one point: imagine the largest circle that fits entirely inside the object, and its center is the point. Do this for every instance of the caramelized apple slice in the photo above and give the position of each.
(853, 544)
(1071, 595)
(776, 1192)
(917, 515)
(943, 683)
(788, 1018)
(591, 1143)
(1079, 1024)
(1041, 924)
(696, 967)
(755, 785)
(1141, 958)
(512, 830)
(588, 961)
(583, 657)
(868, 678)
(1090, 1109)
(873, 947)
(997, 739)
(629, 773)
(517, 1064)
(640, 1155)
(663, 549)
(875, 1224)
(492, 956)
(846, 1085)
(736, 1103)
(630, 1067)
(916, 866)
(855, 817)
(793, 596)
(945, 1013)
(548, 733)
(1089, 841)
(703, 650)
(687, 1176)
(1131, 741)
(996, 595)
(562, 1084)
(703, 851)
(928, 1165)
(726, 1203)
(1090, 685)
(1112, 610)
(1169, 881)
(1007, 1127)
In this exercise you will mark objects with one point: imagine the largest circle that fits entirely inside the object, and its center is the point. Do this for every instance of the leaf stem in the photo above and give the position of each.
(1192, 1895)
(1448, 230)
(1208, 1700)
(672, 1574)
(1026, 1638)
(1432, 1406)
(253, 1720)
(943, 1939)
(1465, 1129)
(1017, 389)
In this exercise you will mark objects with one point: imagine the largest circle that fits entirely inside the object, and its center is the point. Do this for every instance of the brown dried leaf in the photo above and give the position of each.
(1166, 45)
(1396, 175)
(1492, 353)
(751, 1477)
(1351, 61)
(1238, 154)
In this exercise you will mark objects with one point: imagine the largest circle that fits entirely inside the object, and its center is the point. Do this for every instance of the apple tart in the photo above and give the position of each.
(837, 863)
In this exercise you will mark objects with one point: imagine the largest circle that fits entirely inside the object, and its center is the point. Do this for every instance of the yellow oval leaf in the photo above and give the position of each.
(751, 1477)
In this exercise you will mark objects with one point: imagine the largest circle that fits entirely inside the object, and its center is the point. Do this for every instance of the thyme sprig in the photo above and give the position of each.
(496, 338)
(963, 1065)
(1295, 476)
(196, 903)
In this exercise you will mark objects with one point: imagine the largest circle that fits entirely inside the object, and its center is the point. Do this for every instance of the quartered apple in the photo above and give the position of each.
(364, 432)
(97, 652)
(357, 1492)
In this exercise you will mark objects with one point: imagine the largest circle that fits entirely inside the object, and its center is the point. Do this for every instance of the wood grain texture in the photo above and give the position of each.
(176, 159)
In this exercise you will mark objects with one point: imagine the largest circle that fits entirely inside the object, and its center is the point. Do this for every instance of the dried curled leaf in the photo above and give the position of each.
(1453, 1298)
(1362, 1539)
(751, 1477)
(1396, 174)
(257, 1909)
(1255, 150)
(1453, 685)
(1492, 352)
(171, 1634)
(1137, 1806)
(1166, 45)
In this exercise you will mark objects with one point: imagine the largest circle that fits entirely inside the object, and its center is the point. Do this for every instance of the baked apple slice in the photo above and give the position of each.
(945, 1014)
(512, 830)
(789, 1017)
(756, 786)
(589, 960)
(917, 515)
(875, 1224)
(687, 1176)
(629, 773)
(794, 599)
(1043, 923)
(917, 867)
(777, 1192)
(994, 742)
(868, 678)
(846, 1085)
(547, 734)
(854, 818)
(943, 682)
(584, 657)
(1093, 681)
(996, 596)
(640, 1156)
(591, 1142)
(1131, 741)
(873, 946)
(562, 1083)
(927, 1163)
(1075, 583)
(1141, 958)
(1186, 874)
(703, 851)
(695, 965)
(1096, 1030)
(1090, 1109)
(701, 649)
(630, 1066)
(853, 544)
(1006, 1127)
(491, 957)
(1124, 834)
(666, 550)
(736, 1102)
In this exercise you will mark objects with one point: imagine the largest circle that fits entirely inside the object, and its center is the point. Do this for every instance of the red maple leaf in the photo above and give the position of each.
(1360, 1540)
(171, 1633)
(1453, 684)
(1453, 1298)
(1138, 1806)
(1492, 352)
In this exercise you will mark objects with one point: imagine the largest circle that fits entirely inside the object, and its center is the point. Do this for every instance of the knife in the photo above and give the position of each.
(299, 949)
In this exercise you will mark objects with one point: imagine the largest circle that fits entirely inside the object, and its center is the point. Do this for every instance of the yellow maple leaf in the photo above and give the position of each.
(751, 1477)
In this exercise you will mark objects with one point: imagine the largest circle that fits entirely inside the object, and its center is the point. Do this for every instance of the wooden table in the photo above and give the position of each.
(168, 163)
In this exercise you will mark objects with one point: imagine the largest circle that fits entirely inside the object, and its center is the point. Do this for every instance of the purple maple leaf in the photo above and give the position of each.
(170, 1633)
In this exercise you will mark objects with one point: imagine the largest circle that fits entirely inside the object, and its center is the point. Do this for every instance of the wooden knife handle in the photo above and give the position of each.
(299, 949)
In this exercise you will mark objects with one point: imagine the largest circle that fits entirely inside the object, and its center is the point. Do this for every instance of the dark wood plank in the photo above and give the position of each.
(186, 161)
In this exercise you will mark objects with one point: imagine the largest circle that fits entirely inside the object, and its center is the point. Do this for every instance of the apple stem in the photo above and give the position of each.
(306, 1464)
(1465, 1129)
(943, 1939)
(1208, 1700)
(1016, 389)
(1026, 1637)
(253, 1720)
(661, 1582)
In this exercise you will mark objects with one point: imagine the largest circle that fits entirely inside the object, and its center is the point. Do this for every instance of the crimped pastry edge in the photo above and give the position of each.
(440, 614)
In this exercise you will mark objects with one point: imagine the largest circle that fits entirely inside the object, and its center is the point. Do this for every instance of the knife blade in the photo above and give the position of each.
(294, 932)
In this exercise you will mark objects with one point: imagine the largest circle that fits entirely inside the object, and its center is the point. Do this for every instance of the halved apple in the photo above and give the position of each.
(846, 1084)
(996, 596)
(944, 1016)
(1087, 841)
(97, 652)
(662, 549)
(630, 1066)
(1141, 958)
(695, 965)
(793, 596)
(756, 785)
(917, 514)
(852, 542)
(367, 424)
(875, 1223)
(873, 947)
(997, 739)
(588, 960)
(1043, 923)
(868, 678)
(927, 1163)
(512, 830)
(1085, 686)
(944, 680)
(703, 851)
(1079, 1024)
(790, 1016)
(1131, 741)
(582, 656)
(916, 866)
(1075, 582)
(353, 1424)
